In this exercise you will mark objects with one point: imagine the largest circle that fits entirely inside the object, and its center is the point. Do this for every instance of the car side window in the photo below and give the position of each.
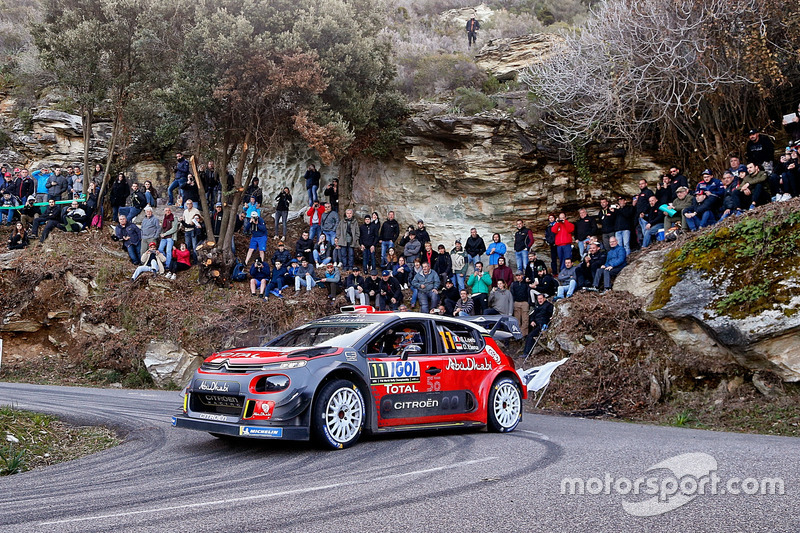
(459, 338)
(394, 339)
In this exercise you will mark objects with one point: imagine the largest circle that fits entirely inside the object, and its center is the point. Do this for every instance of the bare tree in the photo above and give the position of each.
(685, 73)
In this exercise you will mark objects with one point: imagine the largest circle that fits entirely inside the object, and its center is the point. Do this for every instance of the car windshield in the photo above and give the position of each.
(338, 335)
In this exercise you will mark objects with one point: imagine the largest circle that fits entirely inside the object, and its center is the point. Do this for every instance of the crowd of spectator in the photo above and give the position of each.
(374, 262)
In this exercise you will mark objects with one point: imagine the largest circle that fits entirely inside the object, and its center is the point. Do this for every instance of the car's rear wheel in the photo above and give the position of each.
(338, 415)
(505, 406)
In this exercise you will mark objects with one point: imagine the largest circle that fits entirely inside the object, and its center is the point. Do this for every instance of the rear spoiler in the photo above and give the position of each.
(505, 327)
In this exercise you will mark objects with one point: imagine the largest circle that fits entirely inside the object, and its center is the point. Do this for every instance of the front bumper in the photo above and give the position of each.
(242, 429)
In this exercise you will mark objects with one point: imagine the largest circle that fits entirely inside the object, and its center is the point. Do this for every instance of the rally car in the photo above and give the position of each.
(336, 377)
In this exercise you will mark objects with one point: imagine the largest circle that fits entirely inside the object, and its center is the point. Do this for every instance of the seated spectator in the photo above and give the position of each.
(712, 187)
(389, 294)
(281, 254)
(372, 288)
(464, 306)
(448, 296)
(502, 272)
(682, 201)
(331, 280)
(480, 283)
(152, 261)
(390, 259)
(277, 281)
(74, 218)
(730, 198)
(258, 240)
(615, 262)
(427, 283)
(533, 267)
(401, 272)
(29, 212)
(259, 276)
(150, 193)
(664, 191)
(701, 213)
(138, 203)
(354, 287)
(304, 277)
(500, 300)
(567, 280)
(752, 191)
(323, 251)
(422, 233)
(654, 218)
(540, 317)
(51, 214)
(131, 238)
(305, 247)
(591, 263)
(544, 282)
(7, 201)
(19, 237)
(181, 260)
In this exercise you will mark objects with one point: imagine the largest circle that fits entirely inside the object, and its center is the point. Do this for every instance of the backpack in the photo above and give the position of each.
(238, 273)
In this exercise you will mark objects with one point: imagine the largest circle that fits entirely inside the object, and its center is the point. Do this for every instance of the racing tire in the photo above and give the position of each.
(338, 415)
(504, 407)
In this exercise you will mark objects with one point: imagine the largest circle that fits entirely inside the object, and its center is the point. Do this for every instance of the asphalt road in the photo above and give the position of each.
(168, 479)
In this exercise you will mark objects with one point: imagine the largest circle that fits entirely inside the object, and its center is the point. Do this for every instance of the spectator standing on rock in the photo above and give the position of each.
(585, 227)
(314, 214)
(348, 237)
(523, 240)
(258, 239)
(475, 246)
(495, 250)
(255, 191)
(312, 178)
(539, 318)
(472, 28)
(390, 231)
(169, 231)
(411, 245)
(150, 226)
(502, 272)
(520, 294)
(120, 190)
(427, 284)
(42, 176)
(329, 222)
(56, 186)
(480, 283)
(211, 184)
(282, 203)
(459, 262)
(550, 239)
(181, 174)
(563, 229)
(332, 192)
(624, 220)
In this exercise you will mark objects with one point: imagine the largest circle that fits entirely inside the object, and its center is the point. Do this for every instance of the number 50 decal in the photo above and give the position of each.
(434, 385)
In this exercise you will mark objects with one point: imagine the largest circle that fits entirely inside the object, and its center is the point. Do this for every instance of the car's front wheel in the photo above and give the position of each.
(505, 406)
(338, 415)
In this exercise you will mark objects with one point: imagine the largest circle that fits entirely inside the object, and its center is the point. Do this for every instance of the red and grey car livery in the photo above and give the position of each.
(338, 376)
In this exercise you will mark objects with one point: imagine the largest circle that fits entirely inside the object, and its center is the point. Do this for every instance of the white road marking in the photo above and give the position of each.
(540, 435)
(273, 494)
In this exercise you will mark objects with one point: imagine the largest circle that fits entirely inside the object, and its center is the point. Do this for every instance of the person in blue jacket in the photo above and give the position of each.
(277, 281)
(615, 262)
(259, 276)
(495, 250)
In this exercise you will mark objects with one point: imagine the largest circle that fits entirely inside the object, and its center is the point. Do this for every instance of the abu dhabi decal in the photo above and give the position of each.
(468, 364)
(394, 372)
(250, 431)
(211, 385)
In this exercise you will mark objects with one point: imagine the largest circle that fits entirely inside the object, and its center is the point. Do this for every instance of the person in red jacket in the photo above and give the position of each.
(315, 220)
(182, 260)
(563, 229)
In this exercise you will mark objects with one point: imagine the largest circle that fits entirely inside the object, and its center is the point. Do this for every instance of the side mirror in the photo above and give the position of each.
(411, 348)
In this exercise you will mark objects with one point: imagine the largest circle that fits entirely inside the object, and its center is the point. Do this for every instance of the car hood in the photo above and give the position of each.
(273, 354)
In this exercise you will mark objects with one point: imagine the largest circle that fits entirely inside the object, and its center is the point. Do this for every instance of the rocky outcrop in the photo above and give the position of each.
(684, 292)
(459, 17)
(169, 363)
(505, 58)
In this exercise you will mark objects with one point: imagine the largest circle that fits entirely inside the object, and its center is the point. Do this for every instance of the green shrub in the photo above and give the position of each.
(471, 101)
(437, 74)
